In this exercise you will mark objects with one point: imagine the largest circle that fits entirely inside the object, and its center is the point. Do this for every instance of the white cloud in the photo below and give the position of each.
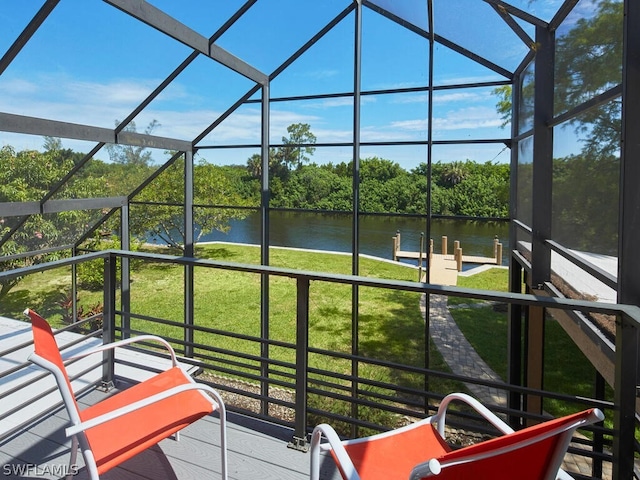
(101, 103)
(468, 118)
(460, 97)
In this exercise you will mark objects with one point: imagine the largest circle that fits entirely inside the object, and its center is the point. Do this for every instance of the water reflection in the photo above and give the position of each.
(333, 232)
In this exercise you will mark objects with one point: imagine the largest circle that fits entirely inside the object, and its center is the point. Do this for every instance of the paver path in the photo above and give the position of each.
(458, 352)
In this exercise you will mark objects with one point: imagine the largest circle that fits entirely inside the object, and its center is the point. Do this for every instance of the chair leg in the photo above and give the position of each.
(74, 456)
(223, 440)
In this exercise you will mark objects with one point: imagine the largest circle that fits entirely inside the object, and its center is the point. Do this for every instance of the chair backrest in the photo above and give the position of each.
(531, 453)
(47, 355)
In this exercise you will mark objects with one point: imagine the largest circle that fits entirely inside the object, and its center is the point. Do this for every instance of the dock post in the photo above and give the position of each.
(420, 256)
(458, 256)
(394, 253)
(398, 235)
(456, 245)
(499, 254)
(444, 245)
(430, 248)
(495, 246)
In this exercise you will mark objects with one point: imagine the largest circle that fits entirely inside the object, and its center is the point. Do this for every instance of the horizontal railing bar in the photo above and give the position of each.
(518, 298)
(631, 311)
(18, 429)
(500, 386)
(203, 329)
(44, 251)
(598, 273)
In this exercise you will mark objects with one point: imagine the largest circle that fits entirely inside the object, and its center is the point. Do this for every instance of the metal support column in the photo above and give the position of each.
(264, 248)
(355, 245)
(541, 199)
(125, 269)
(189, 251)
(514, 315)
(542, 158)
(299, 441)
(109, 321)
(625, 397)
(427, 276)
(514, 343)
(627, 358)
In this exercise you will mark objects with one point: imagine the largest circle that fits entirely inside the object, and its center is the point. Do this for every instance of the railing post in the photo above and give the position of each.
(299, 441)
(625, 397)
(109, 320)
(514, 345)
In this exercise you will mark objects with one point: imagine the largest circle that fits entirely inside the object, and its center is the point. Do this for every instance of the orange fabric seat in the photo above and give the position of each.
(120, 439)
(127, 423)
(394, 456)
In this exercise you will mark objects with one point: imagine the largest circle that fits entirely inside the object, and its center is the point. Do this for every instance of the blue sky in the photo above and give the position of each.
(93, 64)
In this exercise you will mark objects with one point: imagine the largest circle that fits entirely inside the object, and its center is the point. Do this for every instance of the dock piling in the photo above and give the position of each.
(394, 253)
(457, 253)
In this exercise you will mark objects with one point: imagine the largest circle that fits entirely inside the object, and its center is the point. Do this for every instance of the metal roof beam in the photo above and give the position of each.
(517, 29)
(516, 12)
(38, 126)
(71, 204)
(18, 209)
(27, 33)
(151, 141)
(10, 122)
(168, 25)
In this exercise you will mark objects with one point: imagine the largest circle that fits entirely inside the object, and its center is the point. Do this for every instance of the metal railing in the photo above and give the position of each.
(347, 395)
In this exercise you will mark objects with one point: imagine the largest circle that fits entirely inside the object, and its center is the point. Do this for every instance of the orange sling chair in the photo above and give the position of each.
(419, 450)
(123, 425)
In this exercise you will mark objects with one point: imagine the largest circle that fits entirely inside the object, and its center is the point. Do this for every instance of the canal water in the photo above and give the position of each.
(333, 232)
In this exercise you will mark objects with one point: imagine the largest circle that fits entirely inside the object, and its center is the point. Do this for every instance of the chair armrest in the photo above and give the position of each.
(127, 341)
(344, 462)
(425, 469)
(491, 417)
(106, 417)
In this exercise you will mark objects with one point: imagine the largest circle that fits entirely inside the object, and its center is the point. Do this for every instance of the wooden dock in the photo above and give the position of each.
(444, 270)
(444, 267)
(465, 258)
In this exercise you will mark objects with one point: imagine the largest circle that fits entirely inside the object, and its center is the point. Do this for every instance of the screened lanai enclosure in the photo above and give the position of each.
(231, 176)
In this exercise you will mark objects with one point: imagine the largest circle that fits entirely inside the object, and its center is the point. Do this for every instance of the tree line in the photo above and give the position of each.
(222, 193)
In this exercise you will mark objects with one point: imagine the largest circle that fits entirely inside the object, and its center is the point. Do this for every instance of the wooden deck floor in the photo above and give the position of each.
(256, 450)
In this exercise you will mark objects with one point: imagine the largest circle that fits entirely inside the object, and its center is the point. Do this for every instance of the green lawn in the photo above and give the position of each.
(390, 323)
(566, 369)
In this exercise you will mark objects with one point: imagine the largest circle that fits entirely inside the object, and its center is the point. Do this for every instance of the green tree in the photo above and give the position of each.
(504, 103)
(28, 176)
(129, 154)
(162, 214)
(453, 174)
(315, 187)
(588, 61)
(295, 151)
(297, 148)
